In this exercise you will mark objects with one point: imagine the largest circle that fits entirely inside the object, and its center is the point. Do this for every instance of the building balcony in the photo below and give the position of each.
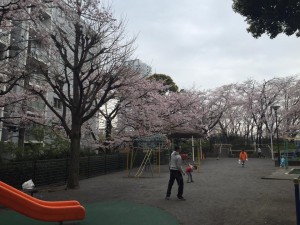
(38, 58)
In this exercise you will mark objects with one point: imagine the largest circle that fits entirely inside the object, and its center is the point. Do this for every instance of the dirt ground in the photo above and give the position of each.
(223, 193)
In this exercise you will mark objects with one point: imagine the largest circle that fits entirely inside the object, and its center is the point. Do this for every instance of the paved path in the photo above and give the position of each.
(223, 194)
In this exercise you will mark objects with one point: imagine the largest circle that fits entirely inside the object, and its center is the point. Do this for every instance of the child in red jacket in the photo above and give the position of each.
(189, 170)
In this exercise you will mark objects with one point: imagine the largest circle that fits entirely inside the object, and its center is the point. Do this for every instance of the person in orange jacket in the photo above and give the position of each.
(243, 157)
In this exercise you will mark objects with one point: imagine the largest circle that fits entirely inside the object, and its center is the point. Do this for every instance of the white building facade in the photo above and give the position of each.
(34, 61)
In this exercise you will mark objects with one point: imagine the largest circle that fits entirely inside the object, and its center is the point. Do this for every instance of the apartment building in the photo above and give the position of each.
(34, 61)
(141, 67)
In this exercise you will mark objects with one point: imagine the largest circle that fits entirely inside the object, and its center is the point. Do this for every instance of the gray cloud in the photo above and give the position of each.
(203, 43)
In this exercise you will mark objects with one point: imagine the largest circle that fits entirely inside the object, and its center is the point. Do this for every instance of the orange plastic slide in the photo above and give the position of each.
(51, 211)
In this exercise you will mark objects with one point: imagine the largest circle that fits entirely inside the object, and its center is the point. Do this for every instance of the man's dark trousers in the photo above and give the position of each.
(175, 174)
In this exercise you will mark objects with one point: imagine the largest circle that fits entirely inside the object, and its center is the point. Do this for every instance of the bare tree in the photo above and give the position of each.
(86, 67)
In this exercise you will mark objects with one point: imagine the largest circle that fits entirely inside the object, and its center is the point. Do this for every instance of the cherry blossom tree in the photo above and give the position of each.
(249, 110)
(135, 88)
(289, 102)
(164, 113)
(218, 102)
(85, 66)
(136, 114)
(237, 109)
(258, 99)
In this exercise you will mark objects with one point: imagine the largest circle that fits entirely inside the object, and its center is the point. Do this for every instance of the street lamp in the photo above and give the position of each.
(276, 107)
(271, 137)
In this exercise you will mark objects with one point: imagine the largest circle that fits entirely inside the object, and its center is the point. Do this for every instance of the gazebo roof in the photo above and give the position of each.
(185, 134)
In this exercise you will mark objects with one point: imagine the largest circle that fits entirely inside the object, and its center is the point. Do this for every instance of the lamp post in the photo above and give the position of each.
(276, 107)
(272, 150)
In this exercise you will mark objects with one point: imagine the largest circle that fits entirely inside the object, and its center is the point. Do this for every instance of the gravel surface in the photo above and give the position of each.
(223, 193)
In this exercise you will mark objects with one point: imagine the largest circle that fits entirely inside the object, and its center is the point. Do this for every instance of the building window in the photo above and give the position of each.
(57, 103)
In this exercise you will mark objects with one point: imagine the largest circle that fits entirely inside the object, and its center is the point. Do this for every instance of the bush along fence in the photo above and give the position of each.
(55, 171)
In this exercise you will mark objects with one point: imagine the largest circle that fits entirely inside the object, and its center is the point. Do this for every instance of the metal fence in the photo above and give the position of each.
(55, 171)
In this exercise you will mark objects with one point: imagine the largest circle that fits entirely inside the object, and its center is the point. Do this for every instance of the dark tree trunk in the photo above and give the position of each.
(73, 173)
(108, 129)
(21, 137)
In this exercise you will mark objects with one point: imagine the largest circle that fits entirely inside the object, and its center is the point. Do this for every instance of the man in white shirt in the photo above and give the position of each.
(176, 172)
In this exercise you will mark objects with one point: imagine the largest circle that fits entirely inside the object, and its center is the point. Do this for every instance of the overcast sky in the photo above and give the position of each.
(203, 43)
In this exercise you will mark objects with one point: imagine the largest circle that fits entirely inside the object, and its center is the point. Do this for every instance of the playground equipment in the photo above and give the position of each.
(50, 211)
(145, 154)
(149, 164)
(145, 163)
(153, 148)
